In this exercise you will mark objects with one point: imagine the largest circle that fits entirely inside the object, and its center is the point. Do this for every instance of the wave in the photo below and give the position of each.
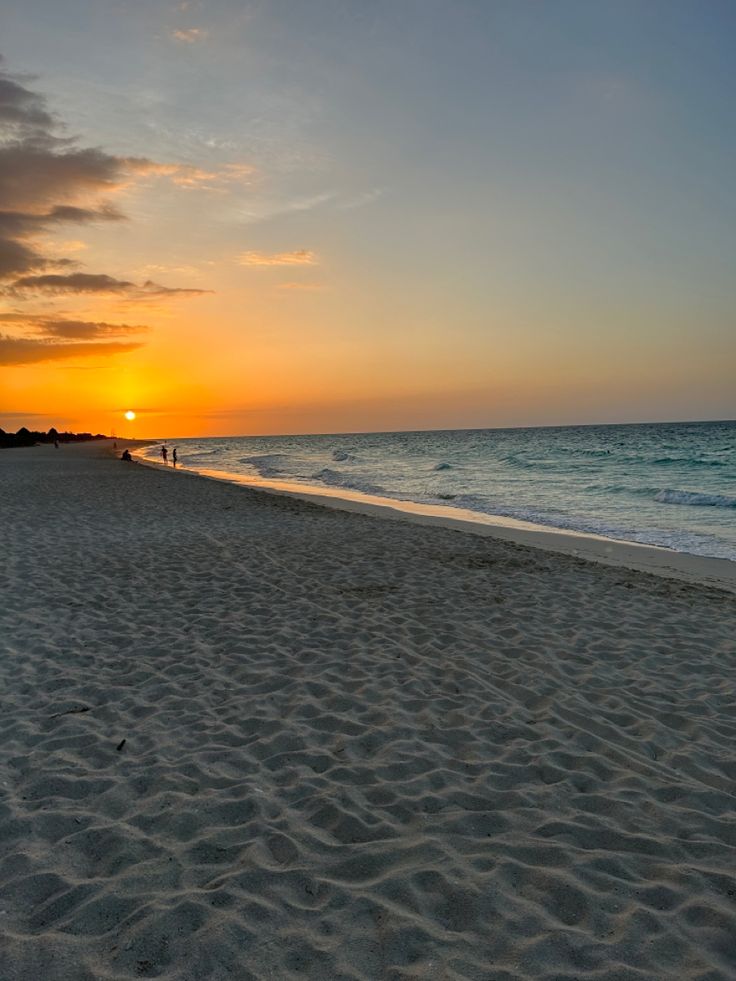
(694, 498)
(334, 479)
(198, 455)
(518, 461)
(576, 451)
(267, 464)
(341, 456)
(561, 457)
(688, 461)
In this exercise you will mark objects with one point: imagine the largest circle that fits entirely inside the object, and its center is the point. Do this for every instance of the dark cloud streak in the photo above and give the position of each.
(79, 282)
(72, 283)
(87, 330)
(68, 329)
(26, 350)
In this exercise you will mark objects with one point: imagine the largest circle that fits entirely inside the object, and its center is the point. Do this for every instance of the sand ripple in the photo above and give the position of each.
(353, 748)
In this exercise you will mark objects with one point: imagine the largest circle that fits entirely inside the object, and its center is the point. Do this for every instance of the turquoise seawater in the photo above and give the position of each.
(669, 484)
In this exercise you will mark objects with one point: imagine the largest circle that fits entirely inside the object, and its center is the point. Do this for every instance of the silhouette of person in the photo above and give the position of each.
(125, 455)
(174, 456)
(164, 454)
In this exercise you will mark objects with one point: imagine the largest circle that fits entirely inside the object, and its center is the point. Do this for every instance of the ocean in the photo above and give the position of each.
(668, 484)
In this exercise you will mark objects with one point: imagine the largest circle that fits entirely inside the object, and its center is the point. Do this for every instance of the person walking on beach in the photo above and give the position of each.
(164, 454)
(174, 456)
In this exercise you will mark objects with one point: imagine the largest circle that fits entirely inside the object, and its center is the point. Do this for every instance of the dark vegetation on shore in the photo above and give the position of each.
(30, 437)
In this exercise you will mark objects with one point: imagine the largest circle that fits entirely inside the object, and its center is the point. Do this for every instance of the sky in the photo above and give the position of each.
(237, 217)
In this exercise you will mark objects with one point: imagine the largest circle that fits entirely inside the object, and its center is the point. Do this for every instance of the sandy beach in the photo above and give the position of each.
(245, 736)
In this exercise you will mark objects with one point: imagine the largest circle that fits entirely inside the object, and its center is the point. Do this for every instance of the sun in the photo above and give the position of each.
(130, 415)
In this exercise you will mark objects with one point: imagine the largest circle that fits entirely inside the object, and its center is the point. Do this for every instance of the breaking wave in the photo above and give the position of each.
(693, 498)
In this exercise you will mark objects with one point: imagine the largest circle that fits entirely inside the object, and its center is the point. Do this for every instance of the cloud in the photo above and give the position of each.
(19, 252)
(47, 180)
(190, 177)
(150, 288)
(237, 172)
(46, 338)
(301, 257)
(189, 35)
(15, 257)
(66, 329)
(79, 282)
(20, 108)
(72, 283)
(38, 173)
(183, 174)
(361, 199)
(68, 245)
(87, 330)
(19, 223)
(26, 350)
(23, 415)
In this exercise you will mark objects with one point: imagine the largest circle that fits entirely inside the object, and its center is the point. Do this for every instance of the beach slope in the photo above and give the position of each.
(246, 737)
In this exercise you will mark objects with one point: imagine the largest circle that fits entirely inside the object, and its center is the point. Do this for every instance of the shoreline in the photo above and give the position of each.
(655, 559)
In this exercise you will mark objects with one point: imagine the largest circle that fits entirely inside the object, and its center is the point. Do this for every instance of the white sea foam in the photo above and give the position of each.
(695, 498)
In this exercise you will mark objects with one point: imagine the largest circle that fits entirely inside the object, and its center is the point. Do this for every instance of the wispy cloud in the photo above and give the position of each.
(300, 257)
(189, 176)
(69, 245)
(362, 199)
(188, 35)
(23, 415)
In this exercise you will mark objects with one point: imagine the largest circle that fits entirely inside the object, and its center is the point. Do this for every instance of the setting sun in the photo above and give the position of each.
(130, 415)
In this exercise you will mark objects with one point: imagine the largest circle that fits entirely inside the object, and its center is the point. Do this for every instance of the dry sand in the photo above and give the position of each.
(353, 748)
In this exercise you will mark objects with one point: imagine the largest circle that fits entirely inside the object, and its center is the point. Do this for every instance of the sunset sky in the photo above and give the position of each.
(277, 216)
